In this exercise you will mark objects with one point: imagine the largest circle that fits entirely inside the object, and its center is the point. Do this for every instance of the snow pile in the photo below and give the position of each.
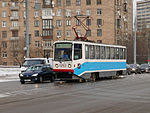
(9, 73)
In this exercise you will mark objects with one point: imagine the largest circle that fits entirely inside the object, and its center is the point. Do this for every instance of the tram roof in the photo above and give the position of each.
(88, 42)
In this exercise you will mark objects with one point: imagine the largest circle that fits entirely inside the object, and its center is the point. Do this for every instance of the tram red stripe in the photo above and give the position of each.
(63, 70)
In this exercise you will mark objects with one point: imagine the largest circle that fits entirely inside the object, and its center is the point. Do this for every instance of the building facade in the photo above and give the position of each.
(109, 21)
(143, 14)
(143, 31)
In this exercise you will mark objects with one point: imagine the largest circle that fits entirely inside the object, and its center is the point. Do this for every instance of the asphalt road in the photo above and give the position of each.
(127, 95)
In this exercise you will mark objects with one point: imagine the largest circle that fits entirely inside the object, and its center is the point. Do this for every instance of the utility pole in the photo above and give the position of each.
(64, 19)
(135, 29)
(27, 29)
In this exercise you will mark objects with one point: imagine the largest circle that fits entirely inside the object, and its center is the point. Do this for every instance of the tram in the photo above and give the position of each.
(87, 60)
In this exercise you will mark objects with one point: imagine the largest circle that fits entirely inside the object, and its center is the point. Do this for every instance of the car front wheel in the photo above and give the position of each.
(22, 81)
(40, 79)
(52, 79)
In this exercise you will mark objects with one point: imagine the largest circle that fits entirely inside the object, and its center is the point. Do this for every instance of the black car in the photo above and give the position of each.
(145, 68)
(134, 68)
(37, 73)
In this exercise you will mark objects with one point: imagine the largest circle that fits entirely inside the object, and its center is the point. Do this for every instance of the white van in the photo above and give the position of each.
(33, 61)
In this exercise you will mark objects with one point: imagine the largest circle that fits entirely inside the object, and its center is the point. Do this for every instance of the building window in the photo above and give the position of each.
(58, 33)
(15, 64)
(78, 12)
(88, 22)
(47, 32)
(68, 22)
(15, 54)
(47, 24)
(36, 32)
(3, 14)
(78, 22)
(15, 13)
(88, 2)
(68, 33)
(4, 24)
(68, 2)
(99, 32)
(88, 12)
(3, 4)
(79, 33)
(14, 23)
(36, 23)
(78, 2)
(14, 4)
(36, 14)
(48, 44)
(5, 63)
(88, 32)
(37, 43)
(99, 22)
(99, 2)
(47, 2)
(68, 13)
(4, 54)
(37, 53)
(36, 1)
(4, 34)
(119, 23)
(58, 23)
(99, 41)
(99, 11)
(58, 12)
(4, 43)
(14, 33)
(58, 2)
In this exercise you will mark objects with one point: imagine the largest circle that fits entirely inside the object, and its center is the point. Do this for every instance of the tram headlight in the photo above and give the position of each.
(69, 65)
(56, 65)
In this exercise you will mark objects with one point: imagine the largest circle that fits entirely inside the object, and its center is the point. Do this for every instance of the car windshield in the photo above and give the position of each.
(144, 65)
(34, 68)
(33, 62)
(63, 51)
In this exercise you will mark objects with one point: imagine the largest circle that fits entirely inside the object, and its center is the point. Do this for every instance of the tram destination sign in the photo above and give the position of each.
(63, 45)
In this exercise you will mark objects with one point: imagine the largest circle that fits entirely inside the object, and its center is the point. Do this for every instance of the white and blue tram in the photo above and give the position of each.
(88, 60)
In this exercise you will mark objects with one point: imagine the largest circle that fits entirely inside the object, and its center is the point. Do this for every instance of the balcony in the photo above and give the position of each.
(14, 18)
(14, 28)
(47, 48)
(14, 38)
(47, 37)
(14, 8)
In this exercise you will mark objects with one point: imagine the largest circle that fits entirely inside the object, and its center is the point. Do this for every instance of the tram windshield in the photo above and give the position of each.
(63, 52)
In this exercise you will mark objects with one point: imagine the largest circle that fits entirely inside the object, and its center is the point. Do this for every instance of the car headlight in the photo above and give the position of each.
(69, 65)
(34, 75)
(56, 65)
(21, 75)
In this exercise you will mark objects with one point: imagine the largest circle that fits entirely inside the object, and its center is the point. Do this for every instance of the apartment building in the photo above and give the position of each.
(143, 31)
(109, 21)
(143, 14)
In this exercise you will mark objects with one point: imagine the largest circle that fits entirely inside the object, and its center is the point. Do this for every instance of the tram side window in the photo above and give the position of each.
(112, 53)
(92, 51)
(97, 54)
(77, 51)
(102, 52)
(117, 53)
(86, 52)
(124, 53)
(121, 53)
(107, 52)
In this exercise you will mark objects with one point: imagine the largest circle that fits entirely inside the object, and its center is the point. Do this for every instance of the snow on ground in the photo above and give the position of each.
(9, 73)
